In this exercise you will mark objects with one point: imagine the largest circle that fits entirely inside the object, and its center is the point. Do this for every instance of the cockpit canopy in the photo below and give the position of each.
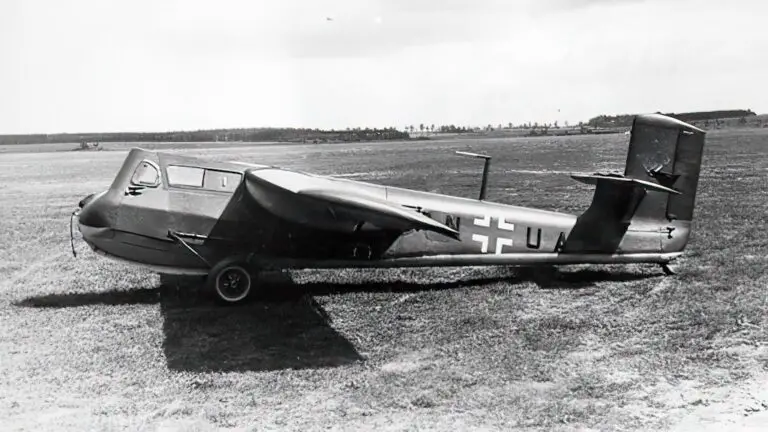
(148, 174)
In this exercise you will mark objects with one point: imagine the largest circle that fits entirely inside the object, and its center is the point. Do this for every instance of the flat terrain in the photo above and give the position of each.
(89, 344)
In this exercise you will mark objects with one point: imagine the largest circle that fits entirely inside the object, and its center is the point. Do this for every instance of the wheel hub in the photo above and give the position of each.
(234, 284)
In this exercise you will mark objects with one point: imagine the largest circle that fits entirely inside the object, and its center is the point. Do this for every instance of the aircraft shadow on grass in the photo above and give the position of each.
(286, 329)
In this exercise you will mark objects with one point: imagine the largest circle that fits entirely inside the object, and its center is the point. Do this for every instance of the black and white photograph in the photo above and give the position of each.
(396, 215)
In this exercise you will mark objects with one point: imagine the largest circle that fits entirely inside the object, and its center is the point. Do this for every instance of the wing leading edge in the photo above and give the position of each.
(323, 203)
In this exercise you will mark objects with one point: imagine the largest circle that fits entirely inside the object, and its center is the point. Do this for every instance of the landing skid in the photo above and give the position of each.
(667, 270)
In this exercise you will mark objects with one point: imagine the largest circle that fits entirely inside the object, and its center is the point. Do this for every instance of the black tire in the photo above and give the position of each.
(231, 280)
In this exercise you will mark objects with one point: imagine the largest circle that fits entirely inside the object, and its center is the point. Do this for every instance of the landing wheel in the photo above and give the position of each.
(231, 280)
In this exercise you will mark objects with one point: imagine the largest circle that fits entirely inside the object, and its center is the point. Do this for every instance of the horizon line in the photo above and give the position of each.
(351, 128)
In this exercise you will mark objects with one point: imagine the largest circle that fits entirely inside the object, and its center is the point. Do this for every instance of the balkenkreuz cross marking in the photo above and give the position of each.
(485, 240)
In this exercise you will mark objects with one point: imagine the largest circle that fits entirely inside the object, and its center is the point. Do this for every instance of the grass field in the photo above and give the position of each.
(88, 344)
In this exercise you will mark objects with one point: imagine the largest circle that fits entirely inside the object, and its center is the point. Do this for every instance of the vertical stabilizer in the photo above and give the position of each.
(667, 152)
(650, 207)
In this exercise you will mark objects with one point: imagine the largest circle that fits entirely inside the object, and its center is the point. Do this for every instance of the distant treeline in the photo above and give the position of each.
(626, 119)
(224, 135)
(455, 129)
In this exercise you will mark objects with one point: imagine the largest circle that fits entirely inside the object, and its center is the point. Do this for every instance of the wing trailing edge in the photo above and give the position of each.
(377, 210)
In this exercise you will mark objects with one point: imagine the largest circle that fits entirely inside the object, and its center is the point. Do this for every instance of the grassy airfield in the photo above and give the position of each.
(90, 344)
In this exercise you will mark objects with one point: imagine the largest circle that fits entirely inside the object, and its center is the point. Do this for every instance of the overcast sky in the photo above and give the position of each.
(95, 65)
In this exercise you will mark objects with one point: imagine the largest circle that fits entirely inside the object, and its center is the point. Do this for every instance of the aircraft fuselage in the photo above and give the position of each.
(174, 228)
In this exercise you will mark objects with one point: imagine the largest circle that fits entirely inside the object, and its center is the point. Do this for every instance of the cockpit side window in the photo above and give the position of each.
(185, 176)
(202, 178)
(146, 174)
(221, 181)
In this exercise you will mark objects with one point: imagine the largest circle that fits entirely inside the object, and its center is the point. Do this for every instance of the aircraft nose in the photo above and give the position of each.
(95, 212)
(85, 200)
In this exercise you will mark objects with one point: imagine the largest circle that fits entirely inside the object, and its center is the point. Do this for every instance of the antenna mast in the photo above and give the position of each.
(486, 166)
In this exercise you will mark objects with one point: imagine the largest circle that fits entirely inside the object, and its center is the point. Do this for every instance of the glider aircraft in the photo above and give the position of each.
(229, 221)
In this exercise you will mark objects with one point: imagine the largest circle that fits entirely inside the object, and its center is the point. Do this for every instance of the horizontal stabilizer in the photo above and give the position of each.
(592, 179)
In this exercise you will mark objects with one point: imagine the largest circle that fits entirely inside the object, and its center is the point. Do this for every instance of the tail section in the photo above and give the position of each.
(666, 152)
(650, 207)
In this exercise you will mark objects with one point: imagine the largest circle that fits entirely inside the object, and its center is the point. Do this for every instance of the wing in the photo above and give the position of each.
(331, 204)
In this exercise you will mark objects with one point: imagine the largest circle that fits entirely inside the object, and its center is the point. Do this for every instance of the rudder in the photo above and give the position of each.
(667, 152)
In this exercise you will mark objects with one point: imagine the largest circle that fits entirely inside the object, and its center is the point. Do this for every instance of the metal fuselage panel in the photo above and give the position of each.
(495, 229)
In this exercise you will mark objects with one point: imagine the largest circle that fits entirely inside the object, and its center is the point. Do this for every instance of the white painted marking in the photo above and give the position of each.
(485, 221)
(504, 225)
(501, 242)
(483, 242)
